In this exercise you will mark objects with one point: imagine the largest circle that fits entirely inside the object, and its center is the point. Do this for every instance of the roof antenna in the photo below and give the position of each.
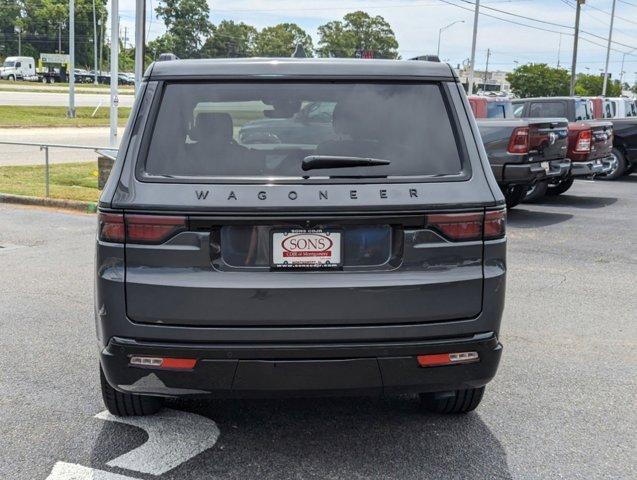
(299, 52)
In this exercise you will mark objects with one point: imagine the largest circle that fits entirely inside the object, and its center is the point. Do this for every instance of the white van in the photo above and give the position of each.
(18, 68)
(620, 107)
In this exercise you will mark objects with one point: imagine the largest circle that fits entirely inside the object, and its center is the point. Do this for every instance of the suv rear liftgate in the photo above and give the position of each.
(325, 269)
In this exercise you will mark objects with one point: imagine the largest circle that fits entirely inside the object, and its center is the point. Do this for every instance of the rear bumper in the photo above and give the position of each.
(231, 370)
(530, 173)
(591, 167)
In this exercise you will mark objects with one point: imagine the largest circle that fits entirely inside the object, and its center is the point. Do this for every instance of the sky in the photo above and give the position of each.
(416, 24)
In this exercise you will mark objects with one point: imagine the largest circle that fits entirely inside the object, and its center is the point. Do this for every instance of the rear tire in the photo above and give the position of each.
(560, 187)
(128, 404)
(514, 194)
(460, 401)
(536, 192)
(619, 166)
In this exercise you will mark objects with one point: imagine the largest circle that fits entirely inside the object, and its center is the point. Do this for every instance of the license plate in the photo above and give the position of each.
(545, 166)
(306, 249)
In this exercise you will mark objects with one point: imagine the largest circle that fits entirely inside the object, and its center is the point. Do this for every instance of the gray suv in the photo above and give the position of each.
(363, 253)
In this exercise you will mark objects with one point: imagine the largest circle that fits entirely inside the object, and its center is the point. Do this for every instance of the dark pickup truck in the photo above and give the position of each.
(590, 141)
(624, 139)
(522, 152)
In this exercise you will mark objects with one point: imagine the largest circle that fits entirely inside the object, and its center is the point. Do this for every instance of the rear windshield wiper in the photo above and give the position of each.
(329, 161)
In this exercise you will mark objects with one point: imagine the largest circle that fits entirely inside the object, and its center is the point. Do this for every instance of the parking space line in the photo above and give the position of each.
(71, 471)
(174, 437)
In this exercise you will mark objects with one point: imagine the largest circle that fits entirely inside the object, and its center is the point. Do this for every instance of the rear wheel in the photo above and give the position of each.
(514, 194)
(128, 404)
(460, 401)
(536, 192)
(560, 187)
(618, 166)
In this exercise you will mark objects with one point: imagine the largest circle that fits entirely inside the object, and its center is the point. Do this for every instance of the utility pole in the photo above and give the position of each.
(60, 37)
(486, 69)
(610, 39)
(578, 10)
(125, 36)
(94, 44)
(140, 40)
(101, 42)
(71, 112)
(473, 48)
(559, 51)
(18, 30)
(114, 69)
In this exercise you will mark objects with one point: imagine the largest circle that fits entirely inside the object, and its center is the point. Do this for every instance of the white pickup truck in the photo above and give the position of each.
(18, 68)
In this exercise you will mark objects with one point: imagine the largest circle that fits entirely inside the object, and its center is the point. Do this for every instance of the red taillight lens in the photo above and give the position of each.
(495, 224)
(584, 141)
(519, 141)
(439, 359)
(111, 227)
(152, 228)
(469, 226)
(457, 226)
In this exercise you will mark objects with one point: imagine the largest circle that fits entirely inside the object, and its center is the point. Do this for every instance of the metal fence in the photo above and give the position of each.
(109, 152)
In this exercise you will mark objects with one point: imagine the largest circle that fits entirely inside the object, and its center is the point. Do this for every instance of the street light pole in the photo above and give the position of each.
(71, 112)
(114, 69)
(578, 10)
(610, 38)
(440, 34)
(473, 47)
(140, 40)
(94, 44)
(621, 70)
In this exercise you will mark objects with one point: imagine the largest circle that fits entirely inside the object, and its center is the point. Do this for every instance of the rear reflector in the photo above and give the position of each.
(164, 362)
(469, 226)
(519, 141)
(439, 359)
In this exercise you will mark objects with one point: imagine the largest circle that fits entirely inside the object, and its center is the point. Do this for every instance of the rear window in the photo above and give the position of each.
(269, 131)
(547, 109)
(583, 110)
(495, 110)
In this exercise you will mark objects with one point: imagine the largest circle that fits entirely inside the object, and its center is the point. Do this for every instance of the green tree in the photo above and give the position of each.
(187, 23)
(281, 40)
(592, 85)
(230, 39)
(9, 16)
(358, 30)
(539, 80)
(162, 44)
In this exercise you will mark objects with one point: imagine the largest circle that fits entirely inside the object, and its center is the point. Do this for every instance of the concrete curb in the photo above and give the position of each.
(88, 207)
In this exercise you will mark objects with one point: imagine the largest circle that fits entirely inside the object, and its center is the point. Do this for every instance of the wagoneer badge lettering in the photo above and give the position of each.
(292, 195)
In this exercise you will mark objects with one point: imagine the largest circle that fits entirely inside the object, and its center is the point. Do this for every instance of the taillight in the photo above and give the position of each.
(469, 226)
(584, 141)
(134, 228)
(457, 226)
(495, 224)
(519, 141)
(111, 227)
(152, 228)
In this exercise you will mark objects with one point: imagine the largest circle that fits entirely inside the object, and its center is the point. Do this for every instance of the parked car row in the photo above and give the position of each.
(590, 144)
(24, 68)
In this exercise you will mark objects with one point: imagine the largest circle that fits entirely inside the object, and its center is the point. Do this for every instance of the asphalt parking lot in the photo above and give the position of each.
(561, 406)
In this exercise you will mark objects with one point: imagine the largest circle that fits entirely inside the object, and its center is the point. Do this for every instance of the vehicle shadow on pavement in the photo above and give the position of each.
(577, 201)
(518, 217)
(627, 178)
(342, 438)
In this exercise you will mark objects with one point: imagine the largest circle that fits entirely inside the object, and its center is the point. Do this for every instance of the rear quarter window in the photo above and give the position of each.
(264, 131)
